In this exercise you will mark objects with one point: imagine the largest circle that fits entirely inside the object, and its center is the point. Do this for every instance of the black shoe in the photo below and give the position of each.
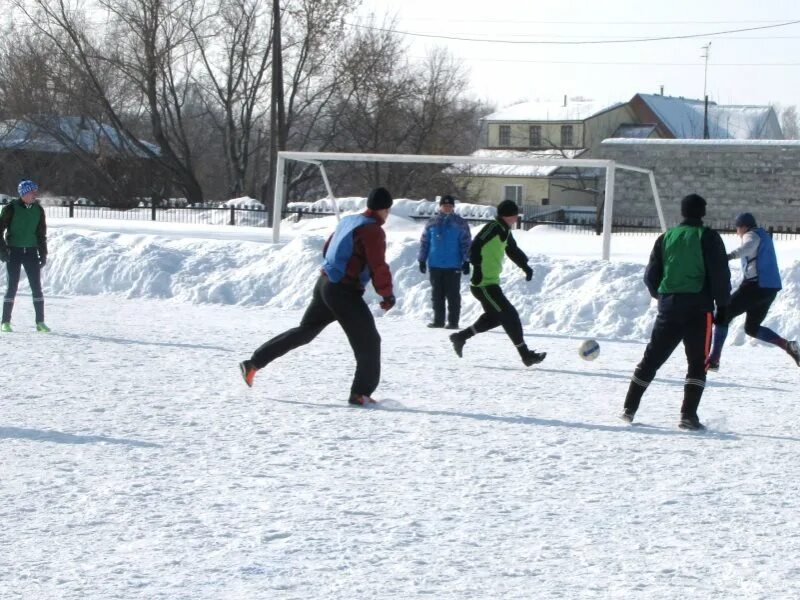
(458, 343)
(451, 326)
(436, 325)
(532, 357)
(691, 423)
(626, 416)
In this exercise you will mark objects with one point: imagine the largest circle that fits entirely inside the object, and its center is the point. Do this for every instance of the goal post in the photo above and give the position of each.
(319, 159)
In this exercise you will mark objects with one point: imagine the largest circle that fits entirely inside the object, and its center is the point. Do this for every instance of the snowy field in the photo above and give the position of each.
(136, 464)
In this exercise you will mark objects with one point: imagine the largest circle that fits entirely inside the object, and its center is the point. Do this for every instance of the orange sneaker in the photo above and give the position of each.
(248, 372)
(360, 400)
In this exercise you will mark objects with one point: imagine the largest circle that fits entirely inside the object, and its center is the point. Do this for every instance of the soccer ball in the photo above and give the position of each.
(589, 350)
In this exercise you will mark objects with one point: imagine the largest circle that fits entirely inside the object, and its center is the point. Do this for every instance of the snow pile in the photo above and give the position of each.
(572, 291)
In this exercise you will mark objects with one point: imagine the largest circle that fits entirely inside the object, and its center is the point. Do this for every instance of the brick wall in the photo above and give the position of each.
(733, 176)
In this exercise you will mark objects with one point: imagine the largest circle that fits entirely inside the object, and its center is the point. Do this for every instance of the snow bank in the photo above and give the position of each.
(572, 291)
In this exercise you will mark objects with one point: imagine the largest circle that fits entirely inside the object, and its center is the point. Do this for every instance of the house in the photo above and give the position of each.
(576, 128)
(74, 156)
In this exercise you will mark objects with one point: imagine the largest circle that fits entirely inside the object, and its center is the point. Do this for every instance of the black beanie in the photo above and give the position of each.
(448, 199)
(693, 206)
(507, 208)
(379, 198)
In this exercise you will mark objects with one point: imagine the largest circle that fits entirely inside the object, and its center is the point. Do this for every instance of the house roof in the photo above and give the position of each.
(575, 110)
(513, 170)
(59, 134)
(684, 118)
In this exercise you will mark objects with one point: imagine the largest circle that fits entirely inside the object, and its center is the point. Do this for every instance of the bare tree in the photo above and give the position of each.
(789, 123)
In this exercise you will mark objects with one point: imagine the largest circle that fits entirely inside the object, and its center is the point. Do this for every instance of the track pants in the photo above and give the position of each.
(446, 285)
(694, 330)
(754, 303)
(334, 302)
(29, 259)
(497, 310)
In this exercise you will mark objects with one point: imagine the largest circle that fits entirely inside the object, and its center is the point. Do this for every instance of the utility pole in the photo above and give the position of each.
(706, 54)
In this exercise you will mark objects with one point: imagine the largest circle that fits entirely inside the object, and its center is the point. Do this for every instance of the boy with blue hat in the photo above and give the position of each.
(761, 282)
(23, 243)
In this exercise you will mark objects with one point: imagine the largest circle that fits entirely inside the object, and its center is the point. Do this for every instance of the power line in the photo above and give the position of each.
(593, 23)
(573, 43)
(624, 63)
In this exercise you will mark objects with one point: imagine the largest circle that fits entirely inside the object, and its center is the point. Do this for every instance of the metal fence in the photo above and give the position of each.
(258, 217)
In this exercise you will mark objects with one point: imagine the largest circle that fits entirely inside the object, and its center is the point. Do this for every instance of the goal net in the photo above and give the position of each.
(320, 158)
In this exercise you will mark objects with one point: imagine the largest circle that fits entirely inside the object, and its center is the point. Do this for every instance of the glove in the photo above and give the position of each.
(3, 255)
(729, 255)
(422, 266)
(721, 318)
(42, 261)
(477, 275)
(528, 273)
(465, 268)
(388, 302)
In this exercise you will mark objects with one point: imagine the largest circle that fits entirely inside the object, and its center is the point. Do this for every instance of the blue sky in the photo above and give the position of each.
(753, 67)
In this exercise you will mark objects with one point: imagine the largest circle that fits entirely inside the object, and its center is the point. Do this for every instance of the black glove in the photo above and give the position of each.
(477, 275)
(528, 273)
(42, 260)
(465, 268)
(388, 302)
(422, 266)
(3, 255)
(729, 256)
(721, 318)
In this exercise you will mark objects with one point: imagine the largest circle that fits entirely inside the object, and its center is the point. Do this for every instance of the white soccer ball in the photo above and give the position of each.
(589, 350)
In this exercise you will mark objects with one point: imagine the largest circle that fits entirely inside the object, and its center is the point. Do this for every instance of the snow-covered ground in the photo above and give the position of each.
(136, 464)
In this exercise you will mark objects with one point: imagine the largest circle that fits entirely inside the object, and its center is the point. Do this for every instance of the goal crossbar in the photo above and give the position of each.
(319, 158)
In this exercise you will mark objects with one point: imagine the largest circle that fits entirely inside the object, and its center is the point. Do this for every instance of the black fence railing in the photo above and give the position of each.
(259, 217)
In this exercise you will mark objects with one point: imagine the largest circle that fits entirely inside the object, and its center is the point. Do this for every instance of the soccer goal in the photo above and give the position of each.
(320, 158)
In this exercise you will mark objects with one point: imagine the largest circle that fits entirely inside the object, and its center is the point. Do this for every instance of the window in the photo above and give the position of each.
(535, 136)
(505, 135)
(566, 135)
(513, 193)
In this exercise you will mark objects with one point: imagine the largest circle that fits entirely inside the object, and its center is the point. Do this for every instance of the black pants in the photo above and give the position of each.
(28, 258)
(755, 302)
(334, 302)
(446, 285)
(670, 329)
(497, 310)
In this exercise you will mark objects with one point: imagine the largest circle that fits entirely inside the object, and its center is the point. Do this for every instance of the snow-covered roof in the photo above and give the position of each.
(701, 142)
(684, 118)
(574, 110)
(57, 134)
(513, 170)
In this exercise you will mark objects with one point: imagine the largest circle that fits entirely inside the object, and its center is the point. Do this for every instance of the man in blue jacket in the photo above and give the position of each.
(444, 251)
(761, 282)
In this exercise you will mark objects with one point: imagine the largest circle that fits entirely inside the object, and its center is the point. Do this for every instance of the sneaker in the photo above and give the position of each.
(712, 365)
(451, 326)
(360, 400)
(248, 372)
(41, 327)
(6, 327)
(626, 416)
(793, 348)
(458, 344)
(435, 325)
(531, 357)
(691, 423)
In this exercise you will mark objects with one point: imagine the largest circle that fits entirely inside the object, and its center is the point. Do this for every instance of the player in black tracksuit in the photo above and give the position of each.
(688, 274)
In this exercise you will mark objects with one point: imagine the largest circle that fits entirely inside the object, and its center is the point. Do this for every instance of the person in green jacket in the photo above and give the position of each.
(23, 243)
(492, 243)
(688, 274)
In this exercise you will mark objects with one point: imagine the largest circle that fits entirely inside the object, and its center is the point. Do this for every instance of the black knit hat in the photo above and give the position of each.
(693, 206)
(745, 219)
(379, 198)
(507, 208)
(448, 199)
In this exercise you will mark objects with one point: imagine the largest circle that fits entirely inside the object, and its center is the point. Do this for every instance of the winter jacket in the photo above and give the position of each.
(759, 262)
(445, 242)
(486, 253)
(688, 269)
(358, 253)
(23, 226)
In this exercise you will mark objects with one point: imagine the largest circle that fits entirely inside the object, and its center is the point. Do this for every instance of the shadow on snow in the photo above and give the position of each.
(59, 437)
